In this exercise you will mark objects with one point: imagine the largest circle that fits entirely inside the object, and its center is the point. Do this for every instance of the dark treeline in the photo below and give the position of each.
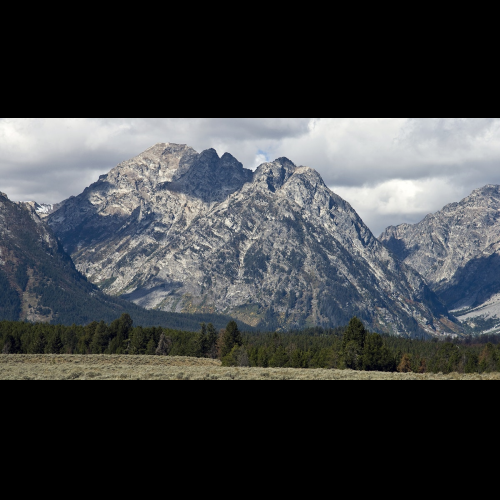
(351, 347)
(117, 337)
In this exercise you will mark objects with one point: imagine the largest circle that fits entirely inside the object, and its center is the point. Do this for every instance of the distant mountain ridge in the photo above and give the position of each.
(177, 230)
(457, 249)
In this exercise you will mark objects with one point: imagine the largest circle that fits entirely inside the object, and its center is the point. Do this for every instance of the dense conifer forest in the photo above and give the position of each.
(349, 347)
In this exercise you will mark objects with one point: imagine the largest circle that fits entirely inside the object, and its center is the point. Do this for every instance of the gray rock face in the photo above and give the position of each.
(180, 231)
(457, 250)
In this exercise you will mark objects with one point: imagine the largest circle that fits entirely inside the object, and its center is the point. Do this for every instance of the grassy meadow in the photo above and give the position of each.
(129, 367)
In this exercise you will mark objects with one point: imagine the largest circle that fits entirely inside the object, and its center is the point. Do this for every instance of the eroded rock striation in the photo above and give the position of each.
(177, 230)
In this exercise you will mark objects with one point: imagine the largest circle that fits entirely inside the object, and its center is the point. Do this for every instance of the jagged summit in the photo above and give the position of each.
(488, 189)
(177, 230)
(274, 174)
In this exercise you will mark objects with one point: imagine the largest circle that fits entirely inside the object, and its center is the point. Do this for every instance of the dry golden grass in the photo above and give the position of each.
(116, 367)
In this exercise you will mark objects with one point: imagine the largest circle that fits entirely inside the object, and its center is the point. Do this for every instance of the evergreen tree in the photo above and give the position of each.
(263, 357)
(138, 341)
(151, 347)
(376, 356)
(353, 342)
(296, 359)
(201, 344)
(99, 342)
(229, 338)
(237, 357)
(352, 356)
(472, 363)
(54, 344)
(355, 332)
(37, 344)
(119, 331)
(86, 339)
(211, 342)
(279, 359)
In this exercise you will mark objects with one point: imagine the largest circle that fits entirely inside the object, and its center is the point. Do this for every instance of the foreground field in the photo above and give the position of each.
(116, 367)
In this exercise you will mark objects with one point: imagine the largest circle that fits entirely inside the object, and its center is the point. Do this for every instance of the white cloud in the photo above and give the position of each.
(396, 201)
(391, 170)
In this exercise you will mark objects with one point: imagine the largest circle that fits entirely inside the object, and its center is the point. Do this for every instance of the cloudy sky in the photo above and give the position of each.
(391, 170)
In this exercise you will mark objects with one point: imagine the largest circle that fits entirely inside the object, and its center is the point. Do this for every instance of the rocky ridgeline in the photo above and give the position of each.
(178, 230)
(456, 249)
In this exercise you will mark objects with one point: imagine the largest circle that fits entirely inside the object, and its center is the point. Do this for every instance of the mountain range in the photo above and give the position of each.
(177, 232)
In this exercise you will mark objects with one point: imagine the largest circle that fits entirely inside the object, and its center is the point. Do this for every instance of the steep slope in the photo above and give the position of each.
(457, 250)
(39, 282)
(180, 231)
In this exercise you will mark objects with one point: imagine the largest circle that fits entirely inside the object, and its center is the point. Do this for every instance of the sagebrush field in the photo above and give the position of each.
(128, 367)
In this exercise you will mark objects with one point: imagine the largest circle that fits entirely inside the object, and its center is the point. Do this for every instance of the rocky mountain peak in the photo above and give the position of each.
(273, 175)
(487, 190)
(163, 162)
(177, 230)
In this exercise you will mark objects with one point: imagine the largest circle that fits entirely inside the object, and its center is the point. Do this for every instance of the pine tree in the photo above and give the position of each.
(230, 337)
(279, 359)
(355, 332)
(99, 342)
(137, 341)
(54, 344)
(352, 356)
(201, 343)
(353, 342)
(263, 357)
(37, 345)
(151, 347)
(211, 342)
(376, 356)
